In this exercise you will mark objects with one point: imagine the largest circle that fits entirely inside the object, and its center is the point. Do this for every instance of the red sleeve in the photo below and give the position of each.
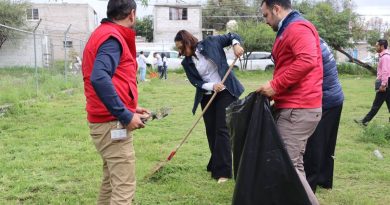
(304, 51)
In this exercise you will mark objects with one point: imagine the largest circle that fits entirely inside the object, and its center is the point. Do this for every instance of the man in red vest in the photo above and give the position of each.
(110, 87)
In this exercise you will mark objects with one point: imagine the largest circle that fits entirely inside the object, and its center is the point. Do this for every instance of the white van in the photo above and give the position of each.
(173, 60)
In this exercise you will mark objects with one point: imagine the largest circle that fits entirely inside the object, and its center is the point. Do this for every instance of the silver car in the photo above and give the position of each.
(257, 60)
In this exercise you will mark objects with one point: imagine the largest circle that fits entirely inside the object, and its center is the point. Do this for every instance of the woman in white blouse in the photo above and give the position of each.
(205, 65)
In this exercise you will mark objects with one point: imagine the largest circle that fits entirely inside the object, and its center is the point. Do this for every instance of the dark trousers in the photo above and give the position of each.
(380, 97)
(163, 73)
(220, 163)
(320, 147)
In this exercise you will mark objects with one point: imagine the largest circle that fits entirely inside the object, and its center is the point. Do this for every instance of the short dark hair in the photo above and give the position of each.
(383, 42)
(120, 9)
(141, 52)
(187, 39)
(283, 3)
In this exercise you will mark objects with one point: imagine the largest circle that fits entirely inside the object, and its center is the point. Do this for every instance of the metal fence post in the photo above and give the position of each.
(65, 47)
(35, 56)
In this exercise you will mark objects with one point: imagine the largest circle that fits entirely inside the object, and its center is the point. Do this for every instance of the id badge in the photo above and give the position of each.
(118, 134)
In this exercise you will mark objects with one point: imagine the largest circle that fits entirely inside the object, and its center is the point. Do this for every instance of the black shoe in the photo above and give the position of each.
(360, 122)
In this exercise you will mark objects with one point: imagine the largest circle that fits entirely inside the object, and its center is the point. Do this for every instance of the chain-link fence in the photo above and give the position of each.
(38, 61)
(40, 48)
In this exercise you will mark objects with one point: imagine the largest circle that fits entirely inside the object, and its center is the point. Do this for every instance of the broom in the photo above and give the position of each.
(161, 164)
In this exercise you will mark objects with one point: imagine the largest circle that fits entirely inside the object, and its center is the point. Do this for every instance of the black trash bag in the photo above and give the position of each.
(263, 171)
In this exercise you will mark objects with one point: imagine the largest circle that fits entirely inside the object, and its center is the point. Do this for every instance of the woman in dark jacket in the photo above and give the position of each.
(205, 65)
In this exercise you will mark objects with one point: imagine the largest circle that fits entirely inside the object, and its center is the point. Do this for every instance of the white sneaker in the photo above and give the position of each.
(222, 180)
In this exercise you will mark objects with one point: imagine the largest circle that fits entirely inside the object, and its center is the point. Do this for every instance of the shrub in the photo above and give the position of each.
(352, 69)
(377, 133)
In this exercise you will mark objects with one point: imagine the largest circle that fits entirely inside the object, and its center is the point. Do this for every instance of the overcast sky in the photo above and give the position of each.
(369, 8)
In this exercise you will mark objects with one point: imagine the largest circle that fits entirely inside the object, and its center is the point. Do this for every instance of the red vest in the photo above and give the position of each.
(124, 78)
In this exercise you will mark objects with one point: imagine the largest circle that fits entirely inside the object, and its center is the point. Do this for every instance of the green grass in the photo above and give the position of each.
(47, 156)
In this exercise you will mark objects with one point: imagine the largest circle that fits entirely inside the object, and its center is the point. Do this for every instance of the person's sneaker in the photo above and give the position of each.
(360, 122)
(222, 180)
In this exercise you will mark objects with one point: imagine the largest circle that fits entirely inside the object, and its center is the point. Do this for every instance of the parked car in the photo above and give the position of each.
(173, 59)
(257, 60)
(371, 60)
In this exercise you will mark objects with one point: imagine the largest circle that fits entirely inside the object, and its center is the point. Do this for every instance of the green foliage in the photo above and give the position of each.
(256, 37)
(144, 27)
(372, 37)
(332, 24)
(376, 133)
(223, 9)
(47, 156)
(351, 69)
(19, 83)
(12, 13)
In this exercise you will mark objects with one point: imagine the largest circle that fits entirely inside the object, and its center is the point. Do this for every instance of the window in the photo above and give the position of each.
(68, 44)
(173, 55)
(178, 14)
(32, 14)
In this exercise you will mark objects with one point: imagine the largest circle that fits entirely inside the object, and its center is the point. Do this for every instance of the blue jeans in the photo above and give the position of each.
(142, 73)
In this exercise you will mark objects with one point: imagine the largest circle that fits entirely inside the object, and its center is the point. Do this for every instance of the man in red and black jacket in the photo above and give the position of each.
(296, 87)
(109, 73)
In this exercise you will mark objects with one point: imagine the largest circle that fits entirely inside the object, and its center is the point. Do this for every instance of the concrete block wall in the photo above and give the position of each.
(20, 52)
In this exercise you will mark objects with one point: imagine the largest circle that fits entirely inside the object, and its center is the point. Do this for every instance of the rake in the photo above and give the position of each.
(161, 164)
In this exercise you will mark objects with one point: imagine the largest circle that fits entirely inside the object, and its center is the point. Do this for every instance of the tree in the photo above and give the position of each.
(217, 13)
(144, 27)
(13, 14)
(256, 37)
(335, 22)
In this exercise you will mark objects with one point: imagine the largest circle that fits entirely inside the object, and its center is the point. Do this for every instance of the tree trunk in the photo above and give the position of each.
(356, 61)
(2, 40)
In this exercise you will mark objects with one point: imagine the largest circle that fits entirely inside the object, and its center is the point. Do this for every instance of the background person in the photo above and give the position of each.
(158, 63)
(205, 65)
(164, 69)
(319, 155)
(383, 74)
(110, 87)
(142, 66)
(296, 87)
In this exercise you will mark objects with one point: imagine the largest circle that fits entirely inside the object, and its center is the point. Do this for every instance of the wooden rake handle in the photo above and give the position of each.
(172, 154)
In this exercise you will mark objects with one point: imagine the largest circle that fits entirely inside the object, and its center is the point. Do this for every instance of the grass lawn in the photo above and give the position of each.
(47, 156)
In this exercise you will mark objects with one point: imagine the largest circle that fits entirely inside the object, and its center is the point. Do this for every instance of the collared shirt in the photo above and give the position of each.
(383, 71)
(281, 22)
(142, 61)
(159, 61)
(208, 70)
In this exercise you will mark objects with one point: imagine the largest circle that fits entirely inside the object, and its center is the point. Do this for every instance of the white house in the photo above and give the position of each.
(169, 18)
(56, 19)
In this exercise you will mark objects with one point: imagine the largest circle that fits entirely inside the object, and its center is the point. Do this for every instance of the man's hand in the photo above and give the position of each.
(382, 89)
(141, 110)
(218, 87)
(238, 50)
(136, 122)
(266, 90)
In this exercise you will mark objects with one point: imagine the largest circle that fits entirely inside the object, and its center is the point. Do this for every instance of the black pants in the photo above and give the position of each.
(220, 163)
(380, 97)
(320, 147)
(163, 73)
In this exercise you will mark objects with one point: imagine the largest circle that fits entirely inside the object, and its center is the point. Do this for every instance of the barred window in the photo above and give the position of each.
(32, 14)
(178, 13)
(68, 44)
